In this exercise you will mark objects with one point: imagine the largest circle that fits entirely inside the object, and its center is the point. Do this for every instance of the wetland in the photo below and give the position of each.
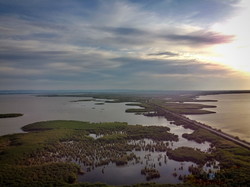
(73, 140)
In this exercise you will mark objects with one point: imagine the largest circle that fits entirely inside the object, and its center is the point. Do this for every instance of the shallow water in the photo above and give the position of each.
(232, 114)
(60, 108)
(117, 175)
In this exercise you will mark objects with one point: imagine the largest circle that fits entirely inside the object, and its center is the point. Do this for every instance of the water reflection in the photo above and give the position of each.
(131, 173)
(95, 136)
(61, 108)
(232, 114)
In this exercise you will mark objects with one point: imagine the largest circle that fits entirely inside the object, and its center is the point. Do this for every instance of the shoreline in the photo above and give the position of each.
(225, 149)
(201, 125)
(147, 101)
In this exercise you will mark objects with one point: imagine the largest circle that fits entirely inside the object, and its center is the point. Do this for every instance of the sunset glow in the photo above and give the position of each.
(236, 54)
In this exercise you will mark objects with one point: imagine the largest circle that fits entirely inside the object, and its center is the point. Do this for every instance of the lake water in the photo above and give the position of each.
(232, 114)
(61, 108)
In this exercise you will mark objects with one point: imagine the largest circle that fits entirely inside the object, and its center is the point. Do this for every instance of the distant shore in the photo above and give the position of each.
(137, 92)
(10, 115)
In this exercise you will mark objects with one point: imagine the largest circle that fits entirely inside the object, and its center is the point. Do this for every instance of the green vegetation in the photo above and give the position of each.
(52, 174)
(99, 103)
(83, 100)
(188, 154)
(136, 110)
(157, 133)
(145, 108)
(174, 103)
(201, 135)
(234, 159)
(10, 115)
(144, 185)
(150, 105)
(127, 131)
(150, 173)
(183, 108)
(187, 108)
(65, 124)
(36, 158)
(44, 156)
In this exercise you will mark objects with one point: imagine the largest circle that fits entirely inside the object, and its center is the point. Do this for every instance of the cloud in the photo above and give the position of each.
(133, 66)
(200, 38)
(133, 37)
(17, 72)
(166, 53)
(193, 12)
(110, 42)
(124, 31)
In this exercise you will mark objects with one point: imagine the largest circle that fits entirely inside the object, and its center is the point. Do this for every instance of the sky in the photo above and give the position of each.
(124, 44)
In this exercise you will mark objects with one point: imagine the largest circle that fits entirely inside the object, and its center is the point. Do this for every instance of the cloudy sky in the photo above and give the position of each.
(124, 44)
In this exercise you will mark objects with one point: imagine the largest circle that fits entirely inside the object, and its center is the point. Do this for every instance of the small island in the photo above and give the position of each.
(10, 115)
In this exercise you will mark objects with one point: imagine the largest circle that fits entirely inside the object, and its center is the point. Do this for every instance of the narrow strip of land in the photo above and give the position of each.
(201, 125)
(10, 115)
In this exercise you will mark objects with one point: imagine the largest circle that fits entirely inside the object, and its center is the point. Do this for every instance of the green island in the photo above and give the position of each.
(82, 100)
(10, 115)
(99, 103)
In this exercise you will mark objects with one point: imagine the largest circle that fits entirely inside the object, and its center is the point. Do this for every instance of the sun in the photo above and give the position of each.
(234, 56)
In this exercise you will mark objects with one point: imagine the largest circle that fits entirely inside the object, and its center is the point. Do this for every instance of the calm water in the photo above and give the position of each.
(232, 114)
(132, 171)
(60, 108)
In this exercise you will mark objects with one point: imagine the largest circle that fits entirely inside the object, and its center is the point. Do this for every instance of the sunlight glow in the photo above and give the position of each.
(237, 53)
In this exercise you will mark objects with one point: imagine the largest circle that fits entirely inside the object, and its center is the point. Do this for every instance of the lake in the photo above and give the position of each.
(62, 108)
(232, 114)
